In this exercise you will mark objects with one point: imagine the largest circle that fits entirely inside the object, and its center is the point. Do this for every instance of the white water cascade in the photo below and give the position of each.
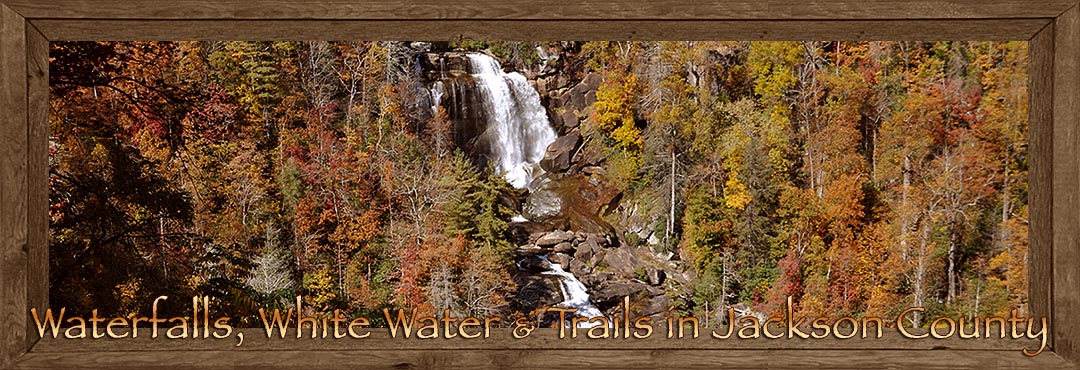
(516, 135)
(517, 130)
(573, 291)
(437, 91)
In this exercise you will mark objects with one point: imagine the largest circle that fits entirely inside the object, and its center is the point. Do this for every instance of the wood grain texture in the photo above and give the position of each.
(37, 258)
(539, 10)
(1066, 186)
(548, 359)
(1013, 29)
(13, 191)
(1040, 173)
(501, 339)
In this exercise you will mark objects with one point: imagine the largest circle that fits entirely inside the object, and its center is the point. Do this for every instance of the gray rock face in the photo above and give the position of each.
(437, 65)
(543, 203)
(530, 250)
(597, 257)
(579, 268)
(593, 81)
(554, 238)
(655, 276)
(586, 250)
(657, 304)
(537, 289)
(570, 120)
(622, 260)
(559, 153)
(577, 95)
(615, 291)
(560, 258)
(533, 264)
(595, 279)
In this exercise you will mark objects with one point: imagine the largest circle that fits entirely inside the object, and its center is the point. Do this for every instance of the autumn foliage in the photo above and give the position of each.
(857, 177)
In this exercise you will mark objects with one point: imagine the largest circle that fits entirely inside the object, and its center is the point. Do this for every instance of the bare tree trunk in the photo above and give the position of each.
(952, 267)
(341, 275)
(724, 283)
(904, 207)
(1003, 233)
(161, 235)
(671, 215)
(919, 283)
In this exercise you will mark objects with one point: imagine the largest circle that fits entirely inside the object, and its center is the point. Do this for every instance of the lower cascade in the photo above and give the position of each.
(573, 291)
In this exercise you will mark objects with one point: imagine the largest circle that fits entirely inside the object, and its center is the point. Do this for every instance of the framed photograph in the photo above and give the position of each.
(639, 184)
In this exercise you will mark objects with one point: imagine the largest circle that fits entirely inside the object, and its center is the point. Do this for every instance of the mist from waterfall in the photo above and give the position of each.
(517, 130)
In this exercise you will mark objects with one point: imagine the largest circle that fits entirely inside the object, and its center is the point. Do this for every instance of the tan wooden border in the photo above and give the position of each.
(27, 26)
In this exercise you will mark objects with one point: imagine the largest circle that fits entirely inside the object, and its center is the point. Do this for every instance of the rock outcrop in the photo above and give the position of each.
(559, 153)
(609, 270)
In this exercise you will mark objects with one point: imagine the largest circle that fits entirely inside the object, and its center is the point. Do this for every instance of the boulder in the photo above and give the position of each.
(556, 120)
(595, 279)
(610, 292)
(528, 232)
(566, 100)
(555, 237)
(536, 291)
(541, 86)
(592, 81)
(579, 268)
(589, 156)
(536, 236)
(562, 80)
(584, 199)
(530, 250)
(439, 64)
(654, 291)
(597, 257)
(560, 152)
(560, 258)
(597, 239)
(543, 203)
(586, 250)
(556, 97)
(577, 96)
(655, 305)
(594, 171)
(686, 277)
(564, 247)
(623, 261)
(569, 120)
(654, 275)
(533, 264)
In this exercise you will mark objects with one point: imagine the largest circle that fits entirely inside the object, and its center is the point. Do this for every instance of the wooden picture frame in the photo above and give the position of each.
(27, 26)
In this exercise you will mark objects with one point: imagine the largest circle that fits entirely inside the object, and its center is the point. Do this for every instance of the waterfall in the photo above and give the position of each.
(573, 291)
(517, 130)
(437, 91)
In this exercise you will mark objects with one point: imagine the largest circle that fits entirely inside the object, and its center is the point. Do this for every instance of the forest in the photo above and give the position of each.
(858, 178)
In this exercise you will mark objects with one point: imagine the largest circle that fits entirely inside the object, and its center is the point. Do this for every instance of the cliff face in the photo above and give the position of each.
(455, 90)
